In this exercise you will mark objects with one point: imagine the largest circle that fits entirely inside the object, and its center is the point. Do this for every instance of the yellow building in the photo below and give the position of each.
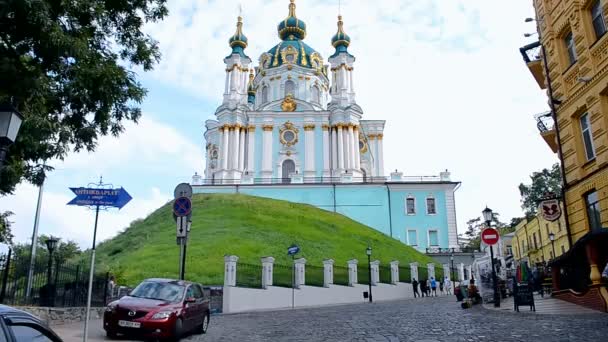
(531, 241)
(571, 62)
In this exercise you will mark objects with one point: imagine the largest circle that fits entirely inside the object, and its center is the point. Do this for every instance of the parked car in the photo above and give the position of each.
(20, 326)
(159, 309)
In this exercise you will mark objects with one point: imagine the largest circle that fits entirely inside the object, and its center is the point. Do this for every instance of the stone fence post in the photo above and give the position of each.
(328, 272)
(461, 272)
(300, 272)
(446, 271)
(267, 270)
(431, 268)
(375, 269)
(414, 271)
(352, 272)
(230, 270)
(394, 272)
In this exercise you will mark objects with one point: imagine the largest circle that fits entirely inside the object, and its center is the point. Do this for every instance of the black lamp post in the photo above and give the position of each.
(452, 269)
(51, 244)
(488, 216)
(552, 238)
(10, 122)
(368, 251)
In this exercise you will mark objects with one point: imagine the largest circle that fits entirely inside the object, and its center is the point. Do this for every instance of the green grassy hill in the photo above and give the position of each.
(246, 226)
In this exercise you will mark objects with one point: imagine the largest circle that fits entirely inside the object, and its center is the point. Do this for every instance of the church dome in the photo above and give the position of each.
(292, 26)
(340, 38)
(238, 42)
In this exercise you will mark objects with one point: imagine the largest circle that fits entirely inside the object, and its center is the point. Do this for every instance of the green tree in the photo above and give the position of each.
(6, 235)
(63, 252)
(476, 225)
(68, 67)
(543, 182)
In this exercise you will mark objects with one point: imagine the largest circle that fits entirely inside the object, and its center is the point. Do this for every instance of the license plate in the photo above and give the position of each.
(127, 324)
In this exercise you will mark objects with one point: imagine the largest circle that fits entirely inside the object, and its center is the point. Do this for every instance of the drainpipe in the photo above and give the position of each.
(390, 216)
(334, 184)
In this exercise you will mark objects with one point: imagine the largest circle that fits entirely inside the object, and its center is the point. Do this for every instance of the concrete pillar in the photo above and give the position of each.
(461, 272)
(328, 272)
(325, 149)
(431, 268)
(267, 269)
(446, 271)
(340, 154)
(251, 148)
(242, 149)
(230, 270)
(394, 272)
(375, 270)
(267, 151)
(414, 271)
(235, 147)
(225, 147)
(334, 150)
(351, 146)
(300, 272)
(352, 272)
(309, 151)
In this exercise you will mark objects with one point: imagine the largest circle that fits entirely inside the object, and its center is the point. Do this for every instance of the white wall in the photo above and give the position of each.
(238, 299)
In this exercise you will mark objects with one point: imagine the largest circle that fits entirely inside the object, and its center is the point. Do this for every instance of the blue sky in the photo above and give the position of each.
(445, 74)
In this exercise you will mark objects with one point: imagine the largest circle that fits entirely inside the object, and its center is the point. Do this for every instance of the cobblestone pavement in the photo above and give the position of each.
(420, 320)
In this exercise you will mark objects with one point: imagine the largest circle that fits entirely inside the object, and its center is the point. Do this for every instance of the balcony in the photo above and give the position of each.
(546, 127)
(532, 56)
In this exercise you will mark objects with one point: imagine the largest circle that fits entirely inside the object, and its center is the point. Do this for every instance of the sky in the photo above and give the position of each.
(446, 75)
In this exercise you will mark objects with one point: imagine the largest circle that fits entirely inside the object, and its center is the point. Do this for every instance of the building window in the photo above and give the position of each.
(316, 95)
(433, 238)
(288, 168)
(412, 237)
(593, 210)
(597, 15)
(587, 136)
(569, 41)
(430, 206)
(265, 94)
(410, 204)
(290, 88)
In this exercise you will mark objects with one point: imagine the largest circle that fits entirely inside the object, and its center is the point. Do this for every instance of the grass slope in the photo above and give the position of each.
(246, 226)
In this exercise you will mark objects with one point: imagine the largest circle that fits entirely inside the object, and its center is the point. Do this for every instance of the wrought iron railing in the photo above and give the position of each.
(531, 52)
(282, 275)
(363, 276)
(437, 250)
(319, 180)
(423, 273)
(315, 276)
(405, 274)
(248, 275)
(341, 275)
(385, 274)
(544, 121)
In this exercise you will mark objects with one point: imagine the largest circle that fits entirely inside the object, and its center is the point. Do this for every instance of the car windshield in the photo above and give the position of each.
(159, 290)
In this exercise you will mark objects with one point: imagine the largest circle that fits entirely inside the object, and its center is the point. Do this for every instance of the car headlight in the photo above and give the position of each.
(111, 307)
(162, 315)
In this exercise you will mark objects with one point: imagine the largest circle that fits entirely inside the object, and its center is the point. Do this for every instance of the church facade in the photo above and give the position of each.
(290, 128)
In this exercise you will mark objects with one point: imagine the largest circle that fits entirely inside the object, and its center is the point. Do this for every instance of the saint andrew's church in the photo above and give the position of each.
(290, 128)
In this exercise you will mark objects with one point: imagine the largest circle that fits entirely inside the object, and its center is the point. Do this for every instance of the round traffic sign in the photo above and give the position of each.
(490, 236)
(182, 190)
(182, 206)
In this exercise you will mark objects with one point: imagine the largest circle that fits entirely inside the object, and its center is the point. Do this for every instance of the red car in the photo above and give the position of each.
(159, 309)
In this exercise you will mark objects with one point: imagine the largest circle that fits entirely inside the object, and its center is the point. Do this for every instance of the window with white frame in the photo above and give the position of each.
(431, 208)
(597, 16)
(412, 237)
(569, 41)
(410, 206)
(587, 136)
(433, 238)
(290, 88)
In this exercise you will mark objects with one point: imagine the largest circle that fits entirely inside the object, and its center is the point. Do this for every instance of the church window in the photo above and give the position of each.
(433, 238)
(316, 95)
(410, 204)
(430, 206)
(265, 94)
(290, 88)
(288, 168)
(412, 237)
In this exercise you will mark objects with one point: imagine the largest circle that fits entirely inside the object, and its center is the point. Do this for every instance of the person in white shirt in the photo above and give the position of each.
(448, 286)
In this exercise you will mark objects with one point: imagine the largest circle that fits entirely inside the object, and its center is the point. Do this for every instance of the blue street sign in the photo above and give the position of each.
(182, 206)
(100, 197)
(293, 250)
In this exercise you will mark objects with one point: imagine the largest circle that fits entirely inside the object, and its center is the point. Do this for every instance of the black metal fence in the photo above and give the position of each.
(385, 274)
(363, 274)
(439, 273)
(58, 284)
(315, 276)
(248, 275)
(341, 275)
(405, 274)
(423, 273)
(282, 276)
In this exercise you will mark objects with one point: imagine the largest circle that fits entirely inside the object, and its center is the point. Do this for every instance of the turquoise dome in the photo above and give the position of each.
(340, 38)
(292, 26)
(238, 42)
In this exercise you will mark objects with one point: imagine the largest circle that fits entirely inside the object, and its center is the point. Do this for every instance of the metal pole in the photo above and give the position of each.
(183, 270)
(7, 268)
(91, 272)
(494, 280)
(369, 276)
(30, 274)
(181, 257)
(293, 281)
(553, 247)
(49, 266)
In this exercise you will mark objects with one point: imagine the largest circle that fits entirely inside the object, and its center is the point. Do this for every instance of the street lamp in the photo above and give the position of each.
(452, 269)
(552, 238)
(487, 216)
(368, 251)
(10, 122)
(51, 244)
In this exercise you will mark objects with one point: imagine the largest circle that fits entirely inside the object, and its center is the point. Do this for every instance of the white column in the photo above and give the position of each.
(446, 271)
(334, 149)
(230, 270)
(357, 150)
(351, 143)
(394, 272)
(340, 139)
(325, 149)
(346, 148)
(242, 149)
(309, 153)
(300, 272)
(267, 152)
(352, 83)
(251, 148)
(431, 268)
(267, 269)
(328, 272)
(244, 84)
(352, 272)
(461, 272)
(220, 157)
(414, 271)
(380, 156)
(233, 81)
(225, 147)
(227, 83)
(375, 272)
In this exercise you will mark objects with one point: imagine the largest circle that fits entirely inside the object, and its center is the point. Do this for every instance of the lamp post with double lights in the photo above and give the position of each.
(10, 122)
(487, 217)
(368, 251)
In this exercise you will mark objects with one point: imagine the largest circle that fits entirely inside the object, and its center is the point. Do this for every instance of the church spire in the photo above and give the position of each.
(238, 42)
(341, 41)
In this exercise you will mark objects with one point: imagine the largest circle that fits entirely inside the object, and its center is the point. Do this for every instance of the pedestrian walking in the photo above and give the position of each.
(428, 288)
(415, 286)
(441, 287)
(423, 287)
(448, 285)
(433, 287)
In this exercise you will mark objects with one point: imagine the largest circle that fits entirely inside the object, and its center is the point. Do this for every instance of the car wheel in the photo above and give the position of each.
(205, 324)
(178, 329)
(111, 335)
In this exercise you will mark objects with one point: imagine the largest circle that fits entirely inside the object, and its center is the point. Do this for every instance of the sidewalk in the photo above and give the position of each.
(544, 306)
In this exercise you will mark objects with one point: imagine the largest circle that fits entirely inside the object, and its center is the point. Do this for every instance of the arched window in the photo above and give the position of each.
(265, 94)
(289, 167)
(315, 95)
(290, 88)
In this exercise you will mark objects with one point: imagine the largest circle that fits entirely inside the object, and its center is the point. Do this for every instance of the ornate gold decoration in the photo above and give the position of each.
(288, 129)
(325, 127)
(288, 153)
(380, 136)
(238, 67)
(265, 60)
(304, 62)
(251, 128)
(371, 136)
(268, 128)
(362, 144)
(309, 127)
(289, 104)
(276, 55)
(289, 51)
(316, 60)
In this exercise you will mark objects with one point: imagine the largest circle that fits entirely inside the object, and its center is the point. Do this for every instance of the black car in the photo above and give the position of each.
(20, 326)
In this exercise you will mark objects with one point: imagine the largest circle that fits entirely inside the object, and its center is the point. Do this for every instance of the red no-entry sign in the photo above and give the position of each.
(490, 236)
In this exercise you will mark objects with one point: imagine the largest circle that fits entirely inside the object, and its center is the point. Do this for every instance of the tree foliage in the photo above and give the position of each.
(6, 235)
(67, 66)
(543, 182)
(476, 225)
(64, 251)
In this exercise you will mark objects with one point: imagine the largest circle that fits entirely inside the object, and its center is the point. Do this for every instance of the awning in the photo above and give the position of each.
(597, 234)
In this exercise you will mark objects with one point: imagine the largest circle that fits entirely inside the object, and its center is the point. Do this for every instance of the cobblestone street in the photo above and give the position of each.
(422, 320)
